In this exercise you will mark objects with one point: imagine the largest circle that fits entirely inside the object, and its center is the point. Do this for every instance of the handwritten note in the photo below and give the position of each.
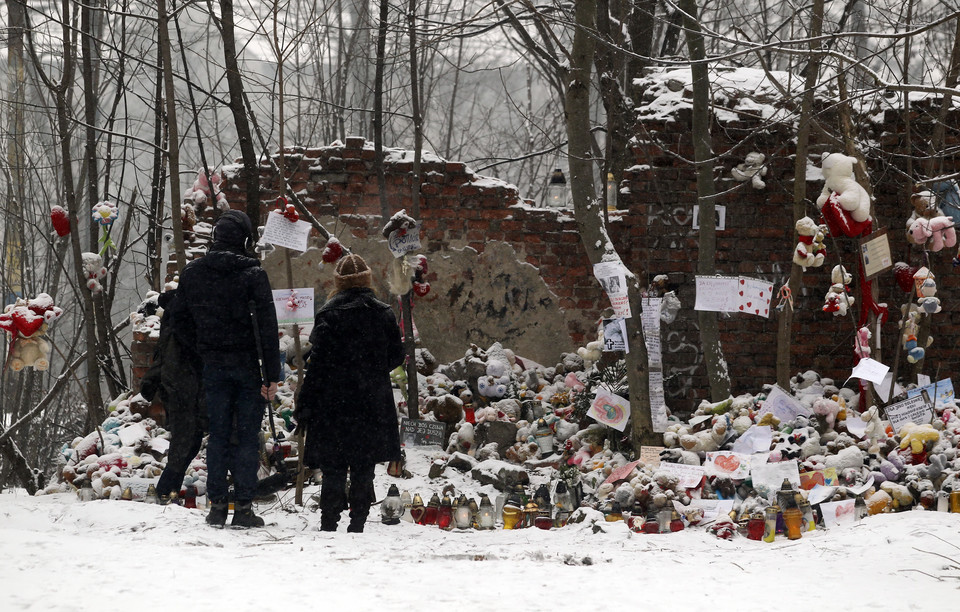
(870, 369)
(717, 293)
(689, 475)
(650, 321)
(281, 232)
(658, 406)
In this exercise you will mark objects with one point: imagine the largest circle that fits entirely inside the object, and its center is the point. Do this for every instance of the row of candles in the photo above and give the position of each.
(452, 512)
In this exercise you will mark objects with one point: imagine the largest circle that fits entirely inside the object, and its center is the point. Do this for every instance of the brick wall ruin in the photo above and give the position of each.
(504, 270)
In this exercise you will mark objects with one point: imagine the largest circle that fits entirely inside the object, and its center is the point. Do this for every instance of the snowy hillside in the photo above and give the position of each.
(60, 554)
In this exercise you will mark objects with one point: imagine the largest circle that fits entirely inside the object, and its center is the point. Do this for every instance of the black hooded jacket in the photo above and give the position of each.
(217, 290)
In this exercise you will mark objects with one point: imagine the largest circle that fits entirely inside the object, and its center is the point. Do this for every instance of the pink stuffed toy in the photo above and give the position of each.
(934, 233)
(862, 343)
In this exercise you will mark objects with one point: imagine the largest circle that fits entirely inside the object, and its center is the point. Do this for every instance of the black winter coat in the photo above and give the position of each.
(175, 376)
(346, 397)
(217, 290)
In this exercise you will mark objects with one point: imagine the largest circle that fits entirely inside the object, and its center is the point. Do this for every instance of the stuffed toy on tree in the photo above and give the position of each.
(752, 169)
(844, 203)
(26, 321)
(838, 300)
(810, 249)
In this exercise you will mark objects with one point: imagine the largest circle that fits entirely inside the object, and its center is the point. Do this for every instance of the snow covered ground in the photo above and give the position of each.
(57, 553)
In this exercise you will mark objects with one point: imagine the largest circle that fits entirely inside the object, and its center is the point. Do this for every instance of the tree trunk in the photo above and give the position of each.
(589, 214)
(251, 167)
(812, 71)
(717, 373)
(173, 141)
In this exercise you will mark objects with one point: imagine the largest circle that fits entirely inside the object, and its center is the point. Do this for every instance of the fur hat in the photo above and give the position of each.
(352, 271)
(233, 228)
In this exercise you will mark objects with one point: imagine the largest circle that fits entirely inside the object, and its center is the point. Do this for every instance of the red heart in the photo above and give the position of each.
(727, 463)
(749, 304)
(758, 311)
(761, 294)
(741, 294)
(741, 281)
(741, 306)
(844, 510)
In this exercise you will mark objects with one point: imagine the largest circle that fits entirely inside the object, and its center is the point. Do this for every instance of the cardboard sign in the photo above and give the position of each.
(414, 432)
(650, 455)
(401, 241)
(622, 473)
(280, 231)
(914, 410)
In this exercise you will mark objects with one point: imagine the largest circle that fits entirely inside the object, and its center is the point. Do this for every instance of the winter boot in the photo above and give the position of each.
(243, 516)
(218, 514)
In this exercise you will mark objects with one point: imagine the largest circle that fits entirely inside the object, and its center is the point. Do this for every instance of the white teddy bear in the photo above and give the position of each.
(837, 299)
(810, 250)
(752, 169)
(839, 180)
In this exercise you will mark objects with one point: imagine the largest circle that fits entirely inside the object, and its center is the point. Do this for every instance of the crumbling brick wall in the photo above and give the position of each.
(653, 233)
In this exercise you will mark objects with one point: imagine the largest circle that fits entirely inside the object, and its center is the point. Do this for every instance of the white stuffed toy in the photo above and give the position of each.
(874, 429)
(810, 250)
(838, 300)
(839, 181)
(752, 169)
(94, 271)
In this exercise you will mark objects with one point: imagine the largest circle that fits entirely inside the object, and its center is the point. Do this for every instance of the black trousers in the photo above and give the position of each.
(185, 440)
(334, 498)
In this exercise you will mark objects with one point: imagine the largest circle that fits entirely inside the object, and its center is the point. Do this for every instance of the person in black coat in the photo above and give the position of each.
(221, 291)
(346, 398)
(174, 378)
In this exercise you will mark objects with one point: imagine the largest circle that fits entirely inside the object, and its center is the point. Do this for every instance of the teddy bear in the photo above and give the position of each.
(752, 169)
(874, 428)
(94, 271)
(928, 301)
(810, 249)
(706, 440)
(934, 233)
(828, 409)
(838, 300)
(917, 437)
(446, 408)
(27, 320)
(839, 182)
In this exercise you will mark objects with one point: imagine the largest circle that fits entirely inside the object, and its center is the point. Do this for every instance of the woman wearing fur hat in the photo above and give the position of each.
(346, 398)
